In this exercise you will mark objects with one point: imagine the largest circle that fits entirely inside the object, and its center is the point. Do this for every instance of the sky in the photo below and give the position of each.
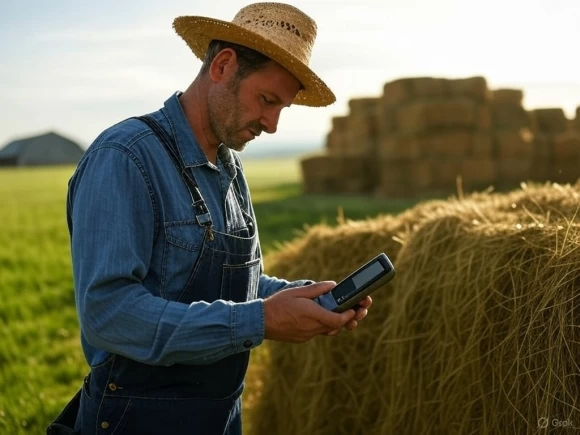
(77, 67)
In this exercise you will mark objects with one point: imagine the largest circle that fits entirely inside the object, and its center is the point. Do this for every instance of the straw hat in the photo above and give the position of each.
(280, 31)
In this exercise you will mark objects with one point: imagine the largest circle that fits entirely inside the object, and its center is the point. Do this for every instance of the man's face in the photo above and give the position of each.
(240, 110)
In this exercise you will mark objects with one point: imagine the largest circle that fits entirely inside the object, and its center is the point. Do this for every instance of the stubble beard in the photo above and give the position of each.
(225, 118)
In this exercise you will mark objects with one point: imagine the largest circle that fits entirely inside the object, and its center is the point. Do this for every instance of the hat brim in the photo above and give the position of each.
(198, 32)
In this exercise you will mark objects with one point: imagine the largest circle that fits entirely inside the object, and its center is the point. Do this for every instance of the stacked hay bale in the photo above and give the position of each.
(350, 150)
(337, 138)
(318, 171)
(560, 144)
(319, 174)
(430, 131)
(362, 137)
(477, 334)
(512, 138)
(423, 134)
(326, 173)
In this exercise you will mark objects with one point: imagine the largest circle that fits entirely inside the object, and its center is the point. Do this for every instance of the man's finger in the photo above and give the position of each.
(361, 313)
(334, 332)
(351, 325)
(366, 302)
(334, 320)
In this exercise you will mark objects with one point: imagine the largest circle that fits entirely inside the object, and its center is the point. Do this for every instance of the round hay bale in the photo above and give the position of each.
(487, 324)
(477, 334)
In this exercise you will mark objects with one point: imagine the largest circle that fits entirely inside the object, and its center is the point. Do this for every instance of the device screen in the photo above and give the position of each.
(360, 279)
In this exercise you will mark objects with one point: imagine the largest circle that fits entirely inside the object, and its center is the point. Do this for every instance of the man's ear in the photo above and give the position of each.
(224, 66)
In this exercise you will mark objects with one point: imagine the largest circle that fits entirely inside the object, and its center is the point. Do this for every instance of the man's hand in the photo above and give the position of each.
(361, 310)
(291, 315)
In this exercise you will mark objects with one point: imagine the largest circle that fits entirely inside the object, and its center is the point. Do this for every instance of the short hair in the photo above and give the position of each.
(249, 60)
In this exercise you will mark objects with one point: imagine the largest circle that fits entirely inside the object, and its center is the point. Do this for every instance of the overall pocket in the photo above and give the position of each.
(153, 416)
(240, 281)
(184, 241)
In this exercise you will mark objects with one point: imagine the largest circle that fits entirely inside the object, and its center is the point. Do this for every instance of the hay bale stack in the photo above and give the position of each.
(566, 148)
(509, 116)
(324, 173)
(474, 88)
(337, 138)
(318, 174)
(402, 177)
(362, 132)
(402, 91)
(514, 97)
(477, 173)
(386, 118)
(541, 158)
(566, 157)
(424, 88)
(396, 147)
(514, 144)
(357, 174)
(363, 107)
(442, 144)
(427, 115)
(549, 121)
(443, 127)
(397, 92)
(507, 111)
(482, 145)
(477, 334)
(433, 130)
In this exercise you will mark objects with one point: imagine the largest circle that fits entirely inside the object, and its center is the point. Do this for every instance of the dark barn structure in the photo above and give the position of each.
(43, 150)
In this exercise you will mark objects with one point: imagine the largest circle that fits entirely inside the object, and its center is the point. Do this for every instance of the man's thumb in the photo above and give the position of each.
(313, 290)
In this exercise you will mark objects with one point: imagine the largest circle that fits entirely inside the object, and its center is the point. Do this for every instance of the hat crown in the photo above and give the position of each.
(284, 25)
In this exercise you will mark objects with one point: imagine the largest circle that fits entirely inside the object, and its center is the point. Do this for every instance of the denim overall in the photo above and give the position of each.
(122, 396)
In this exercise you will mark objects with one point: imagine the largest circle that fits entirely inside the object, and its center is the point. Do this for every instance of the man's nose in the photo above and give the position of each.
(270, 120)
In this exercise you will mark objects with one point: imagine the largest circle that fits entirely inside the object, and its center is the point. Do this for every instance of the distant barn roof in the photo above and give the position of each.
(46, 149)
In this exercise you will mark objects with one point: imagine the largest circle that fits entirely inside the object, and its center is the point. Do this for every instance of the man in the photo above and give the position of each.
(170, 291)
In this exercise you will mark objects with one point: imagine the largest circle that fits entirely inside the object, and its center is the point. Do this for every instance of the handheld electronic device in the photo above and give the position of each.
(362, 282)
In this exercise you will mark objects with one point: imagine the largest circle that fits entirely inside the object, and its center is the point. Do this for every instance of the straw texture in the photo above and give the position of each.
(280, 31)
(478, 334)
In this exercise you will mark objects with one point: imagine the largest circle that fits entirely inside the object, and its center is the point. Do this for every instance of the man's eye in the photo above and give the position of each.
(266, 100)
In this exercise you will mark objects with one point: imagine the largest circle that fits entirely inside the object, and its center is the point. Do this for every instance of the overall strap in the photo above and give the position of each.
(203, 215)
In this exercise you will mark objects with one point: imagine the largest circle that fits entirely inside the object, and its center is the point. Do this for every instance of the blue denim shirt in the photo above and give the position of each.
(134, 243)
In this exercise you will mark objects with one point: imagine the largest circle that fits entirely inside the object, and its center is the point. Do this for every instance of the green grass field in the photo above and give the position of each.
(41, 364)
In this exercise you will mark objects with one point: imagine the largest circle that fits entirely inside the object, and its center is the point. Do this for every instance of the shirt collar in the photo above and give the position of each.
(187, 144)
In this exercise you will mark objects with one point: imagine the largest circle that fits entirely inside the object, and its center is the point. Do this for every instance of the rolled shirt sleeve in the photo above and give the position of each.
(110, 203)
(270, 285)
